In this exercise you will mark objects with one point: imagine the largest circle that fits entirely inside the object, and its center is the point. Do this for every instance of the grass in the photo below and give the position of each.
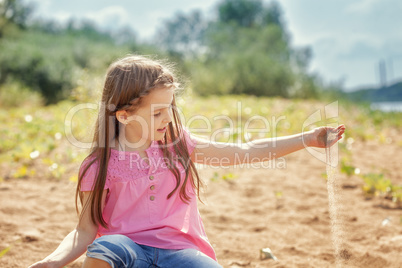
(33, 139)
(4, 251)
(375, 184)
(284, 117)
(7, 249)
(225, 177)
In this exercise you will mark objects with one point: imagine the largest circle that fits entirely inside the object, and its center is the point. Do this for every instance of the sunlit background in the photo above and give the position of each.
(268, 67)
(350, 40)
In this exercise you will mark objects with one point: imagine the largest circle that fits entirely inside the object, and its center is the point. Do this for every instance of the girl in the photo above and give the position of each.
(139, 185)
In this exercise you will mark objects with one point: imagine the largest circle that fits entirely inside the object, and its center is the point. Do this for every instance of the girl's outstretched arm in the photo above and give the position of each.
(228, 154)
(76, 242)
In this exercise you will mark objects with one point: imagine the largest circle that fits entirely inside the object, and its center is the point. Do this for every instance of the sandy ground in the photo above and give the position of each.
(282, 206)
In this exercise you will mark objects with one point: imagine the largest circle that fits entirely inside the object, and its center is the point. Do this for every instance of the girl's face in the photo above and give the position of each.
(150, 121)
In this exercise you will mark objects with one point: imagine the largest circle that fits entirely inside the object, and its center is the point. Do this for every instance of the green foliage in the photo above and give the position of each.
(37, 66)
(32, 142)
(347, 168)
(255, 61)
(244, 50)
(49, 63)
(396, 192)
(375, 184)
(183, 35)
(7, 249)
(246, 55)
(4, 251)
(278, 194)
(15, 94)
(242, 12)
(249, 13)
(45, 57)
(226, 177)
(13, 13)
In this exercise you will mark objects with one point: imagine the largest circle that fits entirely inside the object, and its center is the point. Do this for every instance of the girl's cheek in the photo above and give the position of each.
(157, 123)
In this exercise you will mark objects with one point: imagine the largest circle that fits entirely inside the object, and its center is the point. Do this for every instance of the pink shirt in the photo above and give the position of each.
(137, 204)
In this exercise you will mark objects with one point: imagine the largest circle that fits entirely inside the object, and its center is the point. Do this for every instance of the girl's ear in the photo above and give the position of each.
(122, 117)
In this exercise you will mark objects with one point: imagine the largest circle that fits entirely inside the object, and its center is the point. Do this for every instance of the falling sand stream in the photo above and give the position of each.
(334, 202)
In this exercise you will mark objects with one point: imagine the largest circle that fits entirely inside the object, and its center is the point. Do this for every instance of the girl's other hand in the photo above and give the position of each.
(324, 137)
(42, 264)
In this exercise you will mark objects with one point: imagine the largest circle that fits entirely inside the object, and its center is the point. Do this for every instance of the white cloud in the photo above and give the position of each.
(41, 5)
(154, 18)
(363, 6)
(109, 17)
(62, 16)
(348, 38)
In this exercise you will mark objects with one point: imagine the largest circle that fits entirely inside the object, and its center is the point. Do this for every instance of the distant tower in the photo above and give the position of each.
(390, 70)
(383, 73)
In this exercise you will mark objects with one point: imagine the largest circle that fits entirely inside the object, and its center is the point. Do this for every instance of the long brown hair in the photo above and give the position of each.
(127, 81)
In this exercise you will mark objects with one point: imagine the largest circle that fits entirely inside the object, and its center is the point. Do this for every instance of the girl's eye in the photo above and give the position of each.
(158, 114)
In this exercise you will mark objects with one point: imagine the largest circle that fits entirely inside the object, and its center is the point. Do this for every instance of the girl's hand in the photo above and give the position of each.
(324, 137)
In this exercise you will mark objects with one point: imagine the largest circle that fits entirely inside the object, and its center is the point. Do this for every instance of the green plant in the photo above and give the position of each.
(14, 94)
(4, 251)
(278, 194)
(347, 168)
(7, 249)
(397, 194)
(226, 177)
(375, 184)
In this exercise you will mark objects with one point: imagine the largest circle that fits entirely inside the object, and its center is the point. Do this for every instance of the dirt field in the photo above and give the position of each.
(282, 206)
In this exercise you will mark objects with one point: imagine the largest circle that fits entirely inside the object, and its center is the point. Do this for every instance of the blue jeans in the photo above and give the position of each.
(121, 251)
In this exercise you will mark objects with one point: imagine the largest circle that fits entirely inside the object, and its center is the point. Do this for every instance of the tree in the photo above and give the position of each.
(183, 34)
(248, 43)
(244, 49)
(272, 14)
(257, 60)
(250, 13)
(244, 13)
(14, 12)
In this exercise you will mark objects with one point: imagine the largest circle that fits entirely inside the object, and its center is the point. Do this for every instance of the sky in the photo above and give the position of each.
(348, 38)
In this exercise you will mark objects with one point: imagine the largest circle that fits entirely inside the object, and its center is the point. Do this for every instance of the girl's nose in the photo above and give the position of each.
(168, 117)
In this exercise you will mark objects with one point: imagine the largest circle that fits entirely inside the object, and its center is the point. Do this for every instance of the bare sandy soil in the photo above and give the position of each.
(282, 206)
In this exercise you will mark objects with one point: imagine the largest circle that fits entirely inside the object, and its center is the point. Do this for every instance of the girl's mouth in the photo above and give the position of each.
(162, 130)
